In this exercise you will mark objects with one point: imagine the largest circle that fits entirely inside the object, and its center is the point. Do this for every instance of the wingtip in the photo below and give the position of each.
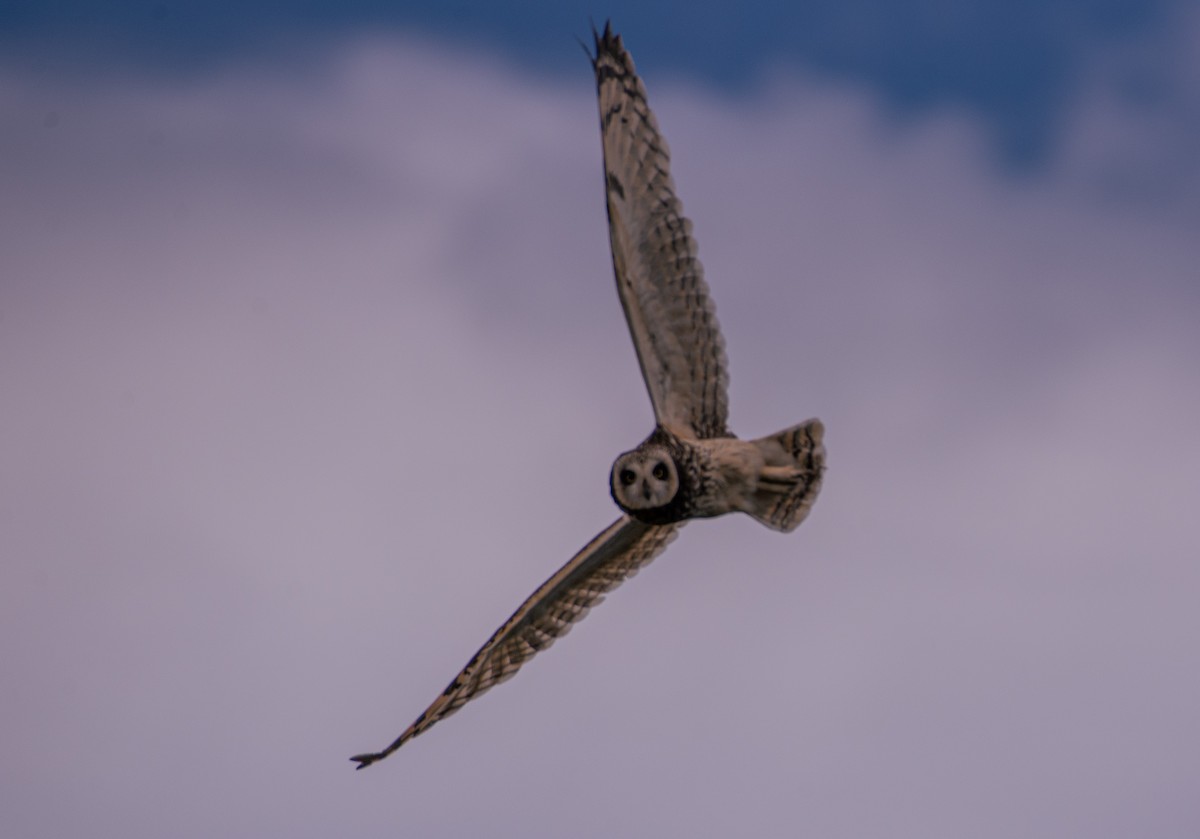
(364, 761)
(604, 41)
(586, 51)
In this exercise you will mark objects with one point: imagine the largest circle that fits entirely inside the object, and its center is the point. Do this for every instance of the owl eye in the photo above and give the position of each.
(627, 477)
(659, 471)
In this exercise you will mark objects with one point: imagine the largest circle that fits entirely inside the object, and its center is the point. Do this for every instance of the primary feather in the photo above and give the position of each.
(660, 281)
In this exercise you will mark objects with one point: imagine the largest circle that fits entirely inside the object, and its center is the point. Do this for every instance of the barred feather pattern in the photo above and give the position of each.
(614, 556)
(659, 279)
(804, 443)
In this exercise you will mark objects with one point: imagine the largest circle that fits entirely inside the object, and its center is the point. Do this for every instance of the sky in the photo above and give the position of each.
(313, 369)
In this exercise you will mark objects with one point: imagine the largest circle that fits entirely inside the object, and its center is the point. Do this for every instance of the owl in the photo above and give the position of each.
(691, 466)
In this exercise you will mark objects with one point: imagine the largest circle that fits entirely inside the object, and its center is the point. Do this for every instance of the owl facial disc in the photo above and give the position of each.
(644, 479)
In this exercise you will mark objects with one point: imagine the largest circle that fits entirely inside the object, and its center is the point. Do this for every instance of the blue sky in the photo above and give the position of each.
(312, 369)
(1011, 61)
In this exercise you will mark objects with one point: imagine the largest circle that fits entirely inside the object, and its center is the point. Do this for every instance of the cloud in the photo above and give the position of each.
(311, 374)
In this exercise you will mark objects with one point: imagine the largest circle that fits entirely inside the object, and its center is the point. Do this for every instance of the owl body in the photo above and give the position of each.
(672, 477)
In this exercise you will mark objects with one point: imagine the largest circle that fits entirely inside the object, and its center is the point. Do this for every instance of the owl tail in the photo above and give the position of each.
(791, 479)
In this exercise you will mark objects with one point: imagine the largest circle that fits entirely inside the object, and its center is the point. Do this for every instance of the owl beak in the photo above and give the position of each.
(646, 490)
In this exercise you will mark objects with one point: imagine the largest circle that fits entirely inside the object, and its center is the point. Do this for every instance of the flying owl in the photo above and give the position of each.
(691, 465)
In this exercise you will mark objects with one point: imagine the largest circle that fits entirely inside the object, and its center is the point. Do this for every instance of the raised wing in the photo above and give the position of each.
(549, 613)
(660, 281)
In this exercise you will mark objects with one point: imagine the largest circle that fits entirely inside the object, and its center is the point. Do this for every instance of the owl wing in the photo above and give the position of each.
(549, 613)
(659, 278)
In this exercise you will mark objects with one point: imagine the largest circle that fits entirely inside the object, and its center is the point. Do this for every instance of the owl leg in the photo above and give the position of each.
(778, 478)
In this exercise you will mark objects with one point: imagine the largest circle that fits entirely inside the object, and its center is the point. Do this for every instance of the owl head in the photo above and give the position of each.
(644, 479)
